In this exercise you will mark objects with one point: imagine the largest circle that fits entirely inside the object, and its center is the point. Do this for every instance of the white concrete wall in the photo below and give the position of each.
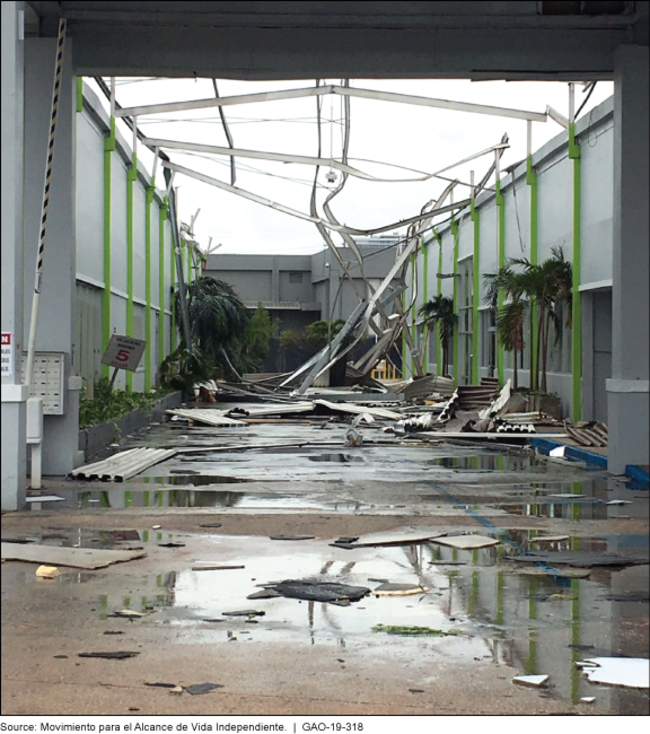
(93, 126)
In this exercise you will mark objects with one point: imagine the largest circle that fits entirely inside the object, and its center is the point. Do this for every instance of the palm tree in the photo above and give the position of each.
(550, 286)
(440, 310)
(512, 317)
(217, 320)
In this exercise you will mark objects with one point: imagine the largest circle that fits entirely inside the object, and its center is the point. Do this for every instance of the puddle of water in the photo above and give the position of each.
(207, 595)
(194, 479)
(162, 498)
(488, 462)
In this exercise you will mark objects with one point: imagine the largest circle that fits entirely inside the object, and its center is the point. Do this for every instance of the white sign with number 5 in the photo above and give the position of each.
(124, 352)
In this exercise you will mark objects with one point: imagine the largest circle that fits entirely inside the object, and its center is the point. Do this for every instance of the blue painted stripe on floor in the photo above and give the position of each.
(552, 572)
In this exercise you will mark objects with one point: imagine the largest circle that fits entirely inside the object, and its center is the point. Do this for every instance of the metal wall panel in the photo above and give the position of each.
(90, 200)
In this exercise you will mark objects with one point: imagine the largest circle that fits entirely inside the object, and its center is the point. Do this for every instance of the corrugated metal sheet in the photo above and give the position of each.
(381, 413)
(124, 465)
(208, 416)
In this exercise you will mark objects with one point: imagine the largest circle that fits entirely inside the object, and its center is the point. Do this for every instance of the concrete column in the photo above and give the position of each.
(55, 331)
(628, 404)
(13, 396)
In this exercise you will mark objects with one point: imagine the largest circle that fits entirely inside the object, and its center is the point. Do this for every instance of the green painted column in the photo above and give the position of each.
(425, 298)
(576, 328)
(454, 348)
(476, 294)
(147, 285)
(79, 96)
(413, 307)
(439, 293)
(501, 210)
(172, 273)
(190, 272)
(131, 177)
(162, 218)
(404, 344)
(531, 180)
(109, 147)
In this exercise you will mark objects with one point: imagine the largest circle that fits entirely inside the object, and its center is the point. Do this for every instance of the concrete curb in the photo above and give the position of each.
(94, 439)
(638, 474)
(577, 453)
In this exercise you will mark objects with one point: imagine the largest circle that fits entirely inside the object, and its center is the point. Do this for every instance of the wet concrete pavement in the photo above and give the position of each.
(495, 618)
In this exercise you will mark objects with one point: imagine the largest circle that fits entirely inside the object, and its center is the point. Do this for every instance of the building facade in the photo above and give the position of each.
(563, 197)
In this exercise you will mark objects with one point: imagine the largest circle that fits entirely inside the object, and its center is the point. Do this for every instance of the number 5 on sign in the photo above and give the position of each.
(123, 353)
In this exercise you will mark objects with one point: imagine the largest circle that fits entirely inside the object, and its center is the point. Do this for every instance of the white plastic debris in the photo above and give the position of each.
(587, 699)
(47, 572)
(532, 681)
(363, 417)
(558, 452)
(619, 502)
(626, 672)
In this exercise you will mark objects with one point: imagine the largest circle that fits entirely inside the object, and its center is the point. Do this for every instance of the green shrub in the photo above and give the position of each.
(109, 404)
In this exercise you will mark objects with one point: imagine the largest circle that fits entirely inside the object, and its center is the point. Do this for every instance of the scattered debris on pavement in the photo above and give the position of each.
(406, 631)
(624, 672)
(390, 589)
(87, 558)
(333, 593)
(117, 655)
(47, 572)
(198, 689)
(532, 681)
(292, 537)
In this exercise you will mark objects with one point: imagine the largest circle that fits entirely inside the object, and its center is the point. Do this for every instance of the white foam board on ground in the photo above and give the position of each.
(53, 555)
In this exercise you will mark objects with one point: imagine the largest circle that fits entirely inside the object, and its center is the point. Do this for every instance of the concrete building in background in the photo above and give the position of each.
(488, 40)
(300, 289)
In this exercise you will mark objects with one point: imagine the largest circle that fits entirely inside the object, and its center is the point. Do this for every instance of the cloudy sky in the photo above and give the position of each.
(422, 139)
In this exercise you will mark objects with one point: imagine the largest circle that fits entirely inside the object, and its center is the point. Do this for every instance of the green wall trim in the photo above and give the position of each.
(404, 345)
(501, 209)
(413, 307)
(574, 148)
(188, 252)
(147, 286)
(576, 326)
(172, 278)
(131, 176)
(109, 146)
(109, 140)
(439, 292)
(453, 226)
(476, 295)
(531, 180)
(162, 218)
(425, 298)
(80, 94)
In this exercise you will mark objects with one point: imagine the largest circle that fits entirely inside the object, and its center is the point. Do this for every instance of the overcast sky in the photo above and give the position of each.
(424, 139)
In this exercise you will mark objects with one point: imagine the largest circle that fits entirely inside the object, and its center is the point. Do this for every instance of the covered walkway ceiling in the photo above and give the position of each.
(289, 40)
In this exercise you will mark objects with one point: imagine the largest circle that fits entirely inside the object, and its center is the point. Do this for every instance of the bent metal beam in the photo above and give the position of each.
(411, 99)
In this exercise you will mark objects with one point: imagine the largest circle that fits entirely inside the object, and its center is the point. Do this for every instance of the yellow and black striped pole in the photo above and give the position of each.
(56, 94)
